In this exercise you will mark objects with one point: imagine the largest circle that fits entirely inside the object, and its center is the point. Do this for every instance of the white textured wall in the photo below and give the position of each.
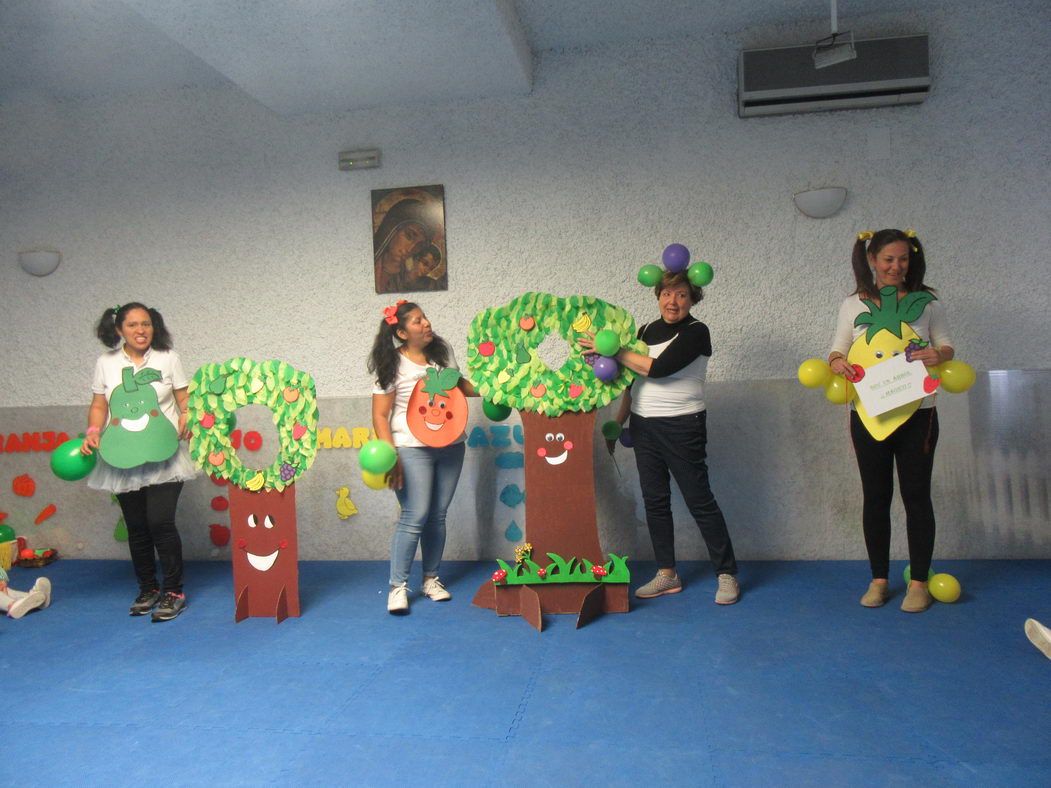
(238, 226)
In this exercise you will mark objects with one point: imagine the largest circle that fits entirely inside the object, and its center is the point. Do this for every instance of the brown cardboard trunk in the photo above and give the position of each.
(560, 518)
(273, 591)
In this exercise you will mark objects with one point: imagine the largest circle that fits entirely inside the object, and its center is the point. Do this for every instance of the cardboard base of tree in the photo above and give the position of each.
(265, 553)
(587, 600)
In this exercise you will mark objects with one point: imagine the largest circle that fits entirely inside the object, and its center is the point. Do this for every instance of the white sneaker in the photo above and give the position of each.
(1039, 636)
(43, 585)
(30, 601)
(398, 600)
(433, 588)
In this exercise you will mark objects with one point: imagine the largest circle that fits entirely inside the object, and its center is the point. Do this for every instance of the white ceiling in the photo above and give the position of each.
(298, 56)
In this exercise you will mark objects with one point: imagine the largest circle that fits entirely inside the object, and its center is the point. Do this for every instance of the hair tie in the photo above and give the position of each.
(865, 235)
(116, 309)
(910, 233)
(390, 313)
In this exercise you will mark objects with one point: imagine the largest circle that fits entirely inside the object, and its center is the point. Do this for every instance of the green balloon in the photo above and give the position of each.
(377, 456)
(68, 463)
(650, 275)
(908, 574)
(700, 274)
(7, 533)
(494, 411)
(607, 343)
(611, 430)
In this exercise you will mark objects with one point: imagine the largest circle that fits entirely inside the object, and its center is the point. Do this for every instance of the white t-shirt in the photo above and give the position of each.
(931, 326)
(108, 376)
(409, 372)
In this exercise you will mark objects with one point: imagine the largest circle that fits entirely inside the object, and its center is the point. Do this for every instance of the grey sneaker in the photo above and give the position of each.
(433, 588)
(43, 585)
(728, 592)
(170, 606)
(398, 600)
(144, 602)
(658, 586)
(1039, 636)
(30, 601)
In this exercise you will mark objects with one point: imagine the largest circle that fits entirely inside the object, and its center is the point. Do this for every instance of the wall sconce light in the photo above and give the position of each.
(39, 262)
(363, 159)
(820, 203)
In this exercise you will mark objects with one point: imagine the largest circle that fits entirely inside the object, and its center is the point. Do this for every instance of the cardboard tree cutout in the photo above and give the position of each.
(262, 502)
(888, 334)
(437, 409)
(137, 431)
(561, 569)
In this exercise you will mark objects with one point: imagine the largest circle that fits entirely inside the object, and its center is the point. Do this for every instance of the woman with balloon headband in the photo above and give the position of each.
(892, 311)
(668, 425)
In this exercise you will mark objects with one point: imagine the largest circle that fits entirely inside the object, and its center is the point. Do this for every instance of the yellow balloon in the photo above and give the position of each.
(956, 376)
(838, 390)
(814, 373)
(375, 481)
(944, 588)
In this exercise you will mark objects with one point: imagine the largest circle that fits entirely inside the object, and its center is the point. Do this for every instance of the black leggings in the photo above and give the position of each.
(912, 447)
(676, 445)
(149, 514)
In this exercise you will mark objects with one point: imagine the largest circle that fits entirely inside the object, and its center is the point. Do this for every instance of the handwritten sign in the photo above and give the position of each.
(891, 384)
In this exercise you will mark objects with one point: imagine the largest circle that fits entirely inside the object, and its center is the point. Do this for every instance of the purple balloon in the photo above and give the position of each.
(625, 438)
(606, 368)
(676, 257)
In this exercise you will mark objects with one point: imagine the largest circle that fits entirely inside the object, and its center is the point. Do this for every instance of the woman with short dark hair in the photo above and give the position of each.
(670, 434)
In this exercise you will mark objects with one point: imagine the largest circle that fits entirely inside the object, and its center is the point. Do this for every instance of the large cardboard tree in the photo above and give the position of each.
(265, 557)
(558, 409)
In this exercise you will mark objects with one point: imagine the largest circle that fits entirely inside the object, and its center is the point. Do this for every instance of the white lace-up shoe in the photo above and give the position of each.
(433, 588)
(398, 600)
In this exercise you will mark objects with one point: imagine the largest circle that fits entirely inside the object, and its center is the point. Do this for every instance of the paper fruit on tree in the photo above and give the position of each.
(137, 431)
(437, 409)
(888, 334)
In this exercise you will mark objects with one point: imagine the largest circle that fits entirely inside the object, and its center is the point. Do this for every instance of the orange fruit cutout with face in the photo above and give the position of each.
(437, 409)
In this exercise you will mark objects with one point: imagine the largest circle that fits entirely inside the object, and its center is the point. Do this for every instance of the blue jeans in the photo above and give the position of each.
(430, 476)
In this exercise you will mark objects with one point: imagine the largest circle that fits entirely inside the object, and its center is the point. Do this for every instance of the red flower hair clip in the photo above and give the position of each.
(390, 313)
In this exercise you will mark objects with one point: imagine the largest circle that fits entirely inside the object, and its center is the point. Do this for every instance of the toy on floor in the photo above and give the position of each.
(17, 603)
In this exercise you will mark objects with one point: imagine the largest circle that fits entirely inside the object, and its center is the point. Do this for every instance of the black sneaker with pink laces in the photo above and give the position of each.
(170, 606)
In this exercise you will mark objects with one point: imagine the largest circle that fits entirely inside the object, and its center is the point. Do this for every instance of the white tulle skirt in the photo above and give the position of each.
(177, 468)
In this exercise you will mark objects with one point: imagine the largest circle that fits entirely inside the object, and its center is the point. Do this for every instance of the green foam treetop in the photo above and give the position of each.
(502, 358)
(215, 394)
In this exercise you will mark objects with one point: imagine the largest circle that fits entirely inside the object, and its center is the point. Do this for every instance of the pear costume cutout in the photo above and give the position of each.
(137, 432)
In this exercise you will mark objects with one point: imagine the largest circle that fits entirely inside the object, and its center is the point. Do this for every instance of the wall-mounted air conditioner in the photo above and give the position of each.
(886, 72)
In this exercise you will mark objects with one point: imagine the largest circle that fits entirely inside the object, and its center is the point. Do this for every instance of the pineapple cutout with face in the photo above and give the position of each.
(887, 335)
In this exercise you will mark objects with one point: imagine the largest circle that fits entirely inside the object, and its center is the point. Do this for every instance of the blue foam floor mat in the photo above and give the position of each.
(795, 685)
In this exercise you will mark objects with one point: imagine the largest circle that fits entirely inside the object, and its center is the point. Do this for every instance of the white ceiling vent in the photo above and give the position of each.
(886, 72)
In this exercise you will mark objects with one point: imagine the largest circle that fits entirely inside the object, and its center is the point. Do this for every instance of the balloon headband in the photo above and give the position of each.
(866, 235)
(390, 313)
(676, 259)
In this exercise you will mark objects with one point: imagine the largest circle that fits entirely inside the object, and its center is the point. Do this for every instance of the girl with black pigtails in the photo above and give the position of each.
(137, 422)
(424, 477)
(892, 266)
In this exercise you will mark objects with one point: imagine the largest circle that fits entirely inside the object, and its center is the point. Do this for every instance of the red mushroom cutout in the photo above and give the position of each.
(266, 553)
(437, 409)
